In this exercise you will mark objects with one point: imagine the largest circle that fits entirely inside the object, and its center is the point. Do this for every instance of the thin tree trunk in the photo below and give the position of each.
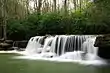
(65, 6)
(2, 15)
(80, 2)
(4, 19)
(27, 7)
(75, 6)
(39, 6)
(35, 5)
(4, 28)
(54, 5)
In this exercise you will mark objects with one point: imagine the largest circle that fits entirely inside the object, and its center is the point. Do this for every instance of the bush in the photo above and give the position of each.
(15, 30)
(53, 23)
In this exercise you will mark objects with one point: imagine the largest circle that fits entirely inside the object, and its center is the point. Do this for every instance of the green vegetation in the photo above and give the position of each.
(49, 18)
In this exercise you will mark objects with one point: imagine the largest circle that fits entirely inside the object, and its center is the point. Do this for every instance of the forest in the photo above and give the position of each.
(22, 19)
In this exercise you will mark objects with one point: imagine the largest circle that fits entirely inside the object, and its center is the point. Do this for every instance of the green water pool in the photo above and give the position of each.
(10, 65)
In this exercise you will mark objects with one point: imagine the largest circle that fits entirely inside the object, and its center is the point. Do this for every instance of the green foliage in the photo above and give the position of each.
(16, 31)
(92, 20)
(50, 24)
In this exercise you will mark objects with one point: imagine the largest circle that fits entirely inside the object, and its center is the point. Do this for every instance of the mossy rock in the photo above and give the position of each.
(103, 42)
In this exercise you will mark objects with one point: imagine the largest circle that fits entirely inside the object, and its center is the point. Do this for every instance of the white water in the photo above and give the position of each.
(63, 48)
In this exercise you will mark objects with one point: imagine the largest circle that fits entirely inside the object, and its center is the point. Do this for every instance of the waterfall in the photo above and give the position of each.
(63, 48)
(47, 43)
(89, 49)
(75, 47)
(33, 45)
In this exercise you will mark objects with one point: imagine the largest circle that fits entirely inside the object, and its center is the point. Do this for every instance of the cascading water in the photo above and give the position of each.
(63, 47)
(62, 44)
(33, 46)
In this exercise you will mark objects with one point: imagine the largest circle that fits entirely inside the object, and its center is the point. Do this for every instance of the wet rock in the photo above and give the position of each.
(20, 44)
(103, 42)
(9, 42)
(2, 40)
(18, 49)
(5, 46)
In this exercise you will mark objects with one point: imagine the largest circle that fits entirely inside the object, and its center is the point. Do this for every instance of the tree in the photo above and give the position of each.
(3, 16)
(11, 9)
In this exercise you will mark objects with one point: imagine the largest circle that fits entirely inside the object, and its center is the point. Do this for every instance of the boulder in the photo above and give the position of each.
(103, 42)
(20, 44)
(9, 42)
(5, 46)
(2, 40)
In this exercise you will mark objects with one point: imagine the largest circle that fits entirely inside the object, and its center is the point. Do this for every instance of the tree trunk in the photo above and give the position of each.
(75, 6)
(54, 5)
(80, 2)
(65, 7)
(27, 7)
(39, 6)
(3, 13)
